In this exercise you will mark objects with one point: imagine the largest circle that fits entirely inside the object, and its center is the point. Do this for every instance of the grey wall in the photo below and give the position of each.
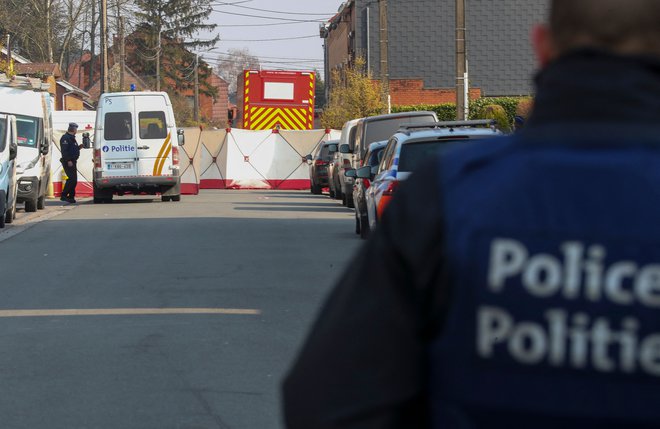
(421, 37)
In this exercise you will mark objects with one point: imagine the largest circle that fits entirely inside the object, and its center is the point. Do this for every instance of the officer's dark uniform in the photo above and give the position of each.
(70, 152)
(513, 283)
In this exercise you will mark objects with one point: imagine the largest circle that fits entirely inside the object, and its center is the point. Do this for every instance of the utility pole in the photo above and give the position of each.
(104, 46)
(196, 110)
(158, 58)
(122, 53)
(384, 58)
(461, 72)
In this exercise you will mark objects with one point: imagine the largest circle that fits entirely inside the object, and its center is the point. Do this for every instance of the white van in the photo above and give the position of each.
(33, 111)
(136, 146)
(8, 184)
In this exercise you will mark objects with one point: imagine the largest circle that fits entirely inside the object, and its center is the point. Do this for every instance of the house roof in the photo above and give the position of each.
(72, 88)
(19, 59)
(48, 69)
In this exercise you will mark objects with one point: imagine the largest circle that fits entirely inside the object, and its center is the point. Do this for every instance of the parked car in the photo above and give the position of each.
(318, 165)
(340, 184)
(8, 183)
(410, 147)
(371, 161)
(378, 128)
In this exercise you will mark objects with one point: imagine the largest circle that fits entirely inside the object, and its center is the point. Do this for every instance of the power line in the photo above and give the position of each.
(260, 25)
(269, 40)
(269, 17)
(220, 3)
(260, 56)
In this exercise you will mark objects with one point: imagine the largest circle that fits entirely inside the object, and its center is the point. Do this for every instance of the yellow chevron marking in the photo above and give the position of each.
(259, 115)
(292, 116)
(162, 162)
(300, 115)
(160, 154)
(263, 119)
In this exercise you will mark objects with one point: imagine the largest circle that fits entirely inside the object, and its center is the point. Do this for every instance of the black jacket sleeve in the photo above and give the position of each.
(364, 363)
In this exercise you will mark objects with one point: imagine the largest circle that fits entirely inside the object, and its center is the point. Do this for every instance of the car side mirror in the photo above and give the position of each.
(181, 136)
(13, 151)
(308, 158)
(45, 146)
(364, 172)
(350, 173)
(332, 148)
(87, 142)
(374, 170)
(344, 148)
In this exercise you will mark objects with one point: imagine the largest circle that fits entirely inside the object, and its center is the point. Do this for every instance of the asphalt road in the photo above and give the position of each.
(142, 314)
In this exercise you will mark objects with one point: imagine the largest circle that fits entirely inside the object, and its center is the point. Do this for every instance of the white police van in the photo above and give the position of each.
(136, 146)
(8, 184)
(32, 106)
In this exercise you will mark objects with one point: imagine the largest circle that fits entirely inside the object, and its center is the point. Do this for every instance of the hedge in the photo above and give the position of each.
(447, 111)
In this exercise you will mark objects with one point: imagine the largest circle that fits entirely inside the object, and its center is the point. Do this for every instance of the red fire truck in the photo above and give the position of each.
(276, 100)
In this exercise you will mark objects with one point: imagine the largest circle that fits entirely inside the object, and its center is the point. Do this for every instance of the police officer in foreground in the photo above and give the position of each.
(70, 154)
(514, 283)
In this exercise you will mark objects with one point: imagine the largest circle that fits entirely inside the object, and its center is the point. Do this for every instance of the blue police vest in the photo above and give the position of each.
(554, 261)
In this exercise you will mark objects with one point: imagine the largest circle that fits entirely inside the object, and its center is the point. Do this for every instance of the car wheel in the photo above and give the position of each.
(331, 191)
(357, 223)
(349, 202)
(10, 214)
(31, 206)
(3, 205)
(165, 198)
(41, 202)
(364, 228)
(176, 198)
(343, 199)
(316, 189)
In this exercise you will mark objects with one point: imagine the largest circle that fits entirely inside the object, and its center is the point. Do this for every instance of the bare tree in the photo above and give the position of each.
(233, 63)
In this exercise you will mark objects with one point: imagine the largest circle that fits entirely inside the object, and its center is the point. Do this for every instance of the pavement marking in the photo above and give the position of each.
(127, 312)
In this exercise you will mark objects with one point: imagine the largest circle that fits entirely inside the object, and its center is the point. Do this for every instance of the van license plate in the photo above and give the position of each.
(120, 166)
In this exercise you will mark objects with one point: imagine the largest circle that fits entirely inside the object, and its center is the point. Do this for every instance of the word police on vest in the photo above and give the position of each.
(559, 338)
(119, 148)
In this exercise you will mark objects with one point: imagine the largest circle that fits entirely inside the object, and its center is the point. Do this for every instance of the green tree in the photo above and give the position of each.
(353, 94)
(168, 30)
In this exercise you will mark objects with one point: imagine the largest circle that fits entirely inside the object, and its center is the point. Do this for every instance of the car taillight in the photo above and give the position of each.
(347, 163)
(97, 158)
(386, 198)
(320, 162)
(366, 183)
(175, 155)
(391, 188)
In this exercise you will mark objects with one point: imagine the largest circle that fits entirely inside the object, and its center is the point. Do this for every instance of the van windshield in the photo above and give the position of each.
(27, 131)
(384, 129)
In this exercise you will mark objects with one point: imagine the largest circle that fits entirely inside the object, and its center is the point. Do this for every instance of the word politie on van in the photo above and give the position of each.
(560, 338)
(119, 148)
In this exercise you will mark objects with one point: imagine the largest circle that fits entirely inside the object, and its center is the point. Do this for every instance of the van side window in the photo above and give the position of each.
(118, 126)
(152, 125)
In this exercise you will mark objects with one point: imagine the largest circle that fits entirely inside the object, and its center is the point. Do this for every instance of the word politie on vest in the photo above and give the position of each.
(579, 340)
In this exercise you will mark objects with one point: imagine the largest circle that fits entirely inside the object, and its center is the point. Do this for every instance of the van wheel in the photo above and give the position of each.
(41, 202)
(165, 198)
(31, 206)
(316, 189)
(175, 198)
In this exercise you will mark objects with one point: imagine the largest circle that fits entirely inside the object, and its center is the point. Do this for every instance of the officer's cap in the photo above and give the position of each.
(73, 125)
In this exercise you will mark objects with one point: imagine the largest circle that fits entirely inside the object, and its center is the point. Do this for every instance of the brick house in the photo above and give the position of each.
(421, 46)
(212, 110)
(66, 95)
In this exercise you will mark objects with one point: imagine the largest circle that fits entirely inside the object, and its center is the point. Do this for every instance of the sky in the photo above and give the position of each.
(258, 24)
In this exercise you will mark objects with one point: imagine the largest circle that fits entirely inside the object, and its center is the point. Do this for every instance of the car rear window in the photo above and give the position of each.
(383, 129)
(415, 153)
(376, 156)
(325, 154)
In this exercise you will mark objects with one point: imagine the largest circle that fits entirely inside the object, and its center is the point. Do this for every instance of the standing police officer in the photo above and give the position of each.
(70, 154)
(514, 283)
